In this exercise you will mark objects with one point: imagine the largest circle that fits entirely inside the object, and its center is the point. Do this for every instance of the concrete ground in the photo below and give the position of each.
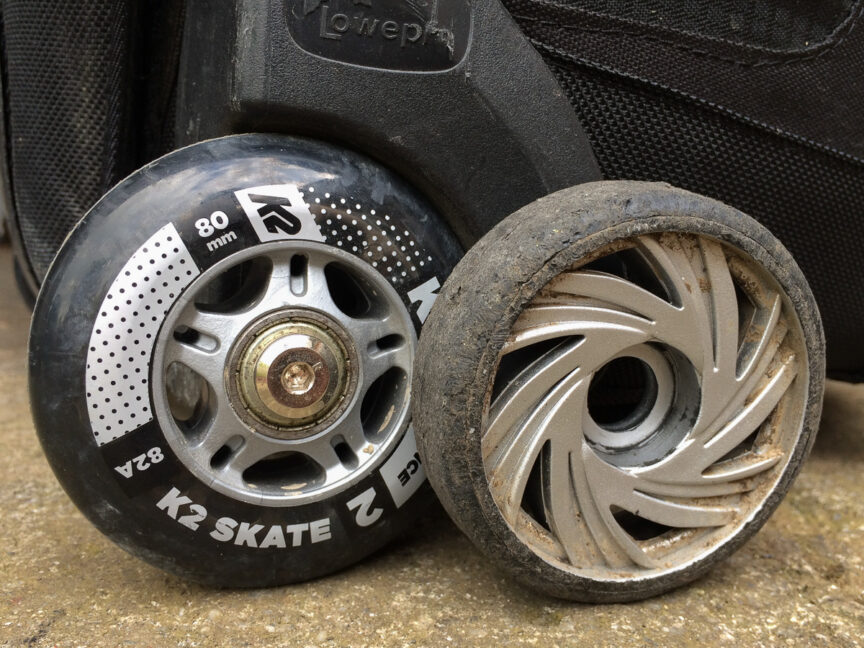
(800, 582)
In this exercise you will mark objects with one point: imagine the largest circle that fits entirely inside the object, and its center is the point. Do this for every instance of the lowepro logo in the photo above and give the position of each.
(390, 34)
(335, 26)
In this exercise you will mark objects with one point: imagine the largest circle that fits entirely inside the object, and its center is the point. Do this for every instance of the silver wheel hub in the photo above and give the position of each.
(282, 374)
(293, 377)
(645, 407)
(641, 424)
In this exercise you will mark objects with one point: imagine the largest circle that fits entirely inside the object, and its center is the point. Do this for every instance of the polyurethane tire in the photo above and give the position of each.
(616, 387)
(221, 356)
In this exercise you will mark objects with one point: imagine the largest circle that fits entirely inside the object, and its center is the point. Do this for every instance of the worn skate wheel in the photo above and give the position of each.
(221, 356)
(616, 388)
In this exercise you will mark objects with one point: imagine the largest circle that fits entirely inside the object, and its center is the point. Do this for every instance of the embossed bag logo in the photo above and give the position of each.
(389, 34)
(278, 212)
(335, 25)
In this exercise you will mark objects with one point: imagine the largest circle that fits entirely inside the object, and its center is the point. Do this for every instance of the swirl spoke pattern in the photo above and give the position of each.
(699, 453)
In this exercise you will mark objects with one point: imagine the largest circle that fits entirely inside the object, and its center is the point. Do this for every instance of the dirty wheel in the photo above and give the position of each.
(647, 382)
(221, 359)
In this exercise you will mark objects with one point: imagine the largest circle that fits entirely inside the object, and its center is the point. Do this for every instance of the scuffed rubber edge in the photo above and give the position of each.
(473, 317)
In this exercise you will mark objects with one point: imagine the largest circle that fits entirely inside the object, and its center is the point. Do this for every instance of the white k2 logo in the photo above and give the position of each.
(278, 212)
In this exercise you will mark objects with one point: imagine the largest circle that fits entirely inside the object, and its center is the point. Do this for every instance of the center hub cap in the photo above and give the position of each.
(294, 375)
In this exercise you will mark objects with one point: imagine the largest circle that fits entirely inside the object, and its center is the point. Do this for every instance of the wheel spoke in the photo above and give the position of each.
(510, 462)
(599, 502)
(377, 334)
(636, 308)
(724, 311)
(252, 451)
(221, 429)
(350, 428)
(375, 366)
(612, 488)
(581, 357)
(772, 334)
(217, 329)
(754, 371)
(572, 514)
(734, 472)
(618, 548)
(691, 460)
(691, 335)
(325, 455)
(543, 323)
(673, 514)
(317, 294)
(526, 390)
(753, 415)
(624, 295)
(302, 284)
(207, 364)
(719, 376)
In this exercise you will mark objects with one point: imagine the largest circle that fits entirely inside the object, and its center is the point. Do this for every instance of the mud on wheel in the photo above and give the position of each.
(221, 359)
(634, 378)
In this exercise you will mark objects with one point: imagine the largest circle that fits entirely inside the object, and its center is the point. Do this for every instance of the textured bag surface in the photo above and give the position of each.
(67, 119)
(746, 102)
(749, 102)
(87, 87)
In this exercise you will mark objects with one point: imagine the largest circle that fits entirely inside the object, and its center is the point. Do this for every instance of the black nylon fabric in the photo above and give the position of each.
(90, 98)
(759, 104)
(780, 142)
(770, 24)
(813, 92)
(67, 74)
(801, 194)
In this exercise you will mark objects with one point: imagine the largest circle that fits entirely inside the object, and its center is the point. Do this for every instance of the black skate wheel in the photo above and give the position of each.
(221, 358)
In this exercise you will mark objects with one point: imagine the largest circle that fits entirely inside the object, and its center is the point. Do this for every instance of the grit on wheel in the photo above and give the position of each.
(635, 378)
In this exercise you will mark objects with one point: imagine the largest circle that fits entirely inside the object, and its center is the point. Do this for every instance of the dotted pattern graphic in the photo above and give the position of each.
(379, 239)
(121, 344)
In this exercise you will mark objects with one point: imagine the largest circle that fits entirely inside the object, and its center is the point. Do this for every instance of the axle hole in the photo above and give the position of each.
(622, 394)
